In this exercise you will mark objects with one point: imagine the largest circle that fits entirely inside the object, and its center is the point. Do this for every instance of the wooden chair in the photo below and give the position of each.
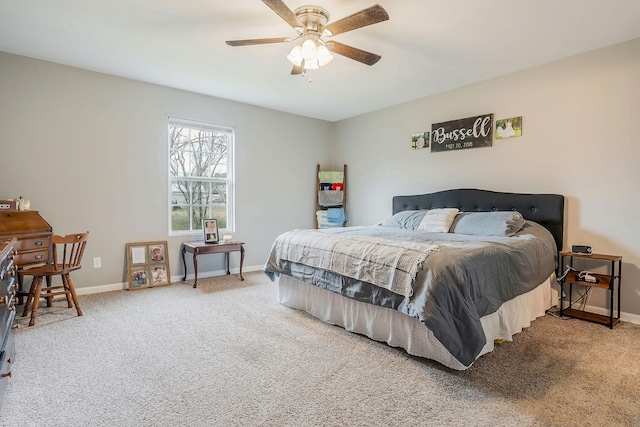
(67, 254)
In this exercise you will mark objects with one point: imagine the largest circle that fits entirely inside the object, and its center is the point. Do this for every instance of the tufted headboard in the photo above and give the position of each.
(545, 209)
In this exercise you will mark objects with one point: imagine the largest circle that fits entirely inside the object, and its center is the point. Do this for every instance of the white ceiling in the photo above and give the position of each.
(427, 46)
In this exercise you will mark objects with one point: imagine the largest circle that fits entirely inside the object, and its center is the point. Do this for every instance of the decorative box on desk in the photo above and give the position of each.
(610, 282)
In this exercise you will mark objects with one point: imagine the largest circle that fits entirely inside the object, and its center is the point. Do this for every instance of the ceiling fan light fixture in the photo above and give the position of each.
(323, 55)
(295, 56)
(310, 64)
(308, 49)
(311, 25)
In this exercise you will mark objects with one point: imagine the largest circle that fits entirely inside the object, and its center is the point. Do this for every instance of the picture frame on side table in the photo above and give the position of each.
(147, 265)
(210, 228)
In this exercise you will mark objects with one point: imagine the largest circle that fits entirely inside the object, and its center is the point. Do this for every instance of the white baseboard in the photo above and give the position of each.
(625, 317)
(218, 273)
(174, 279)
(102, 288)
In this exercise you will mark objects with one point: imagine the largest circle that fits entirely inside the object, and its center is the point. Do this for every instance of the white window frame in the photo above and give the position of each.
(229, 180)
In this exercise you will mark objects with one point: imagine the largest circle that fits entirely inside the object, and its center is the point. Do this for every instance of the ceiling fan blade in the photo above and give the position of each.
(297, 70)
(249, 42)
(355, 53)
(372, 15)
(284, 12)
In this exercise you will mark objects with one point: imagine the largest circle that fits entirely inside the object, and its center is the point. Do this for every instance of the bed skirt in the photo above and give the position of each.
(399, 330)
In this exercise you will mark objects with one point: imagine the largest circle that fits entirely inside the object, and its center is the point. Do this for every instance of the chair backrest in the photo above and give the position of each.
(68, 250)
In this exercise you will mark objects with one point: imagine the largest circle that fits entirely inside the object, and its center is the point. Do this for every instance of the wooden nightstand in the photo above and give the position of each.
(610, 282)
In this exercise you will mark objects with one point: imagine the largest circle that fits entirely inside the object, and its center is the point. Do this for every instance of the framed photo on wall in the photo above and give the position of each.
(147, 265)
(509, 128)
(210, 228)
(420, 140)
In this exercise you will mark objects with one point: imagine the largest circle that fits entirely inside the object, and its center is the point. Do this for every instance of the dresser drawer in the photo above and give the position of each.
(8, 285)
(33, 243)
(7, 301)
(7, 268)
(32, 257)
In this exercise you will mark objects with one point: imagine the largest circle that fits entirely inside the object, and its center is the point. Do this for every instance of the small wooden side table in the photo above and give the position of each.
(200, 248)
(603, 281)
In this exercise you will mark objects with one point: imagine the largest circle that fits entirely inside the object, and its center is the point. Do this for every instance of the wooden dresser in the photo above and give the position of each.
(8, 288)
(33, 238)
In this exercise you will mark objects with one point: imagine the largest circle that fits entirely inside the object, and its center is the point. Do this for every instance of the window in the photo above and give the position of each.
(200, 175)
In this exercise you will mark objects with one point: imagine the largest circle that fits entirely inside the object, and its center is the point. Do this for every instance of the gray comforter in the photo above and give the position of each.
(465, 278)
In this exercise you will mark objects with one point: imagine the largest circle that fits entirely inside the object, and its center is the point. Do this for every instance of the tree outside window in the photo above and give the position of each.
(200, 175)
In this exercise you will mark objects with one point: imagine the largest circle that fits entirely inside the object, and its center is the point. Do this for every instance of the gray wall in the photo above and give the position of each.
(90, 152)
(580, 139)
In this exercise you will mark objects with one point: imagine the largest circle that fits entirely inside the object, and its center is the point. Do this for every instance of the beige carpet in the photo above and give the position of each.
(227, 354)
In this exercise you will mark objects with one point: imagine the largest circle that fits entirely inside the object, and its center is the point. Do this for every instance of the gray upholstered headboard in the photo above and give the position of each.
(545, 209)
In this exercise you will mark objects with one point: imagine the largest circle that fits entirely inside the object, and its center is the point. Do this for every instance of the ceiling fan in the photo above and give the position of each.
(310, 22)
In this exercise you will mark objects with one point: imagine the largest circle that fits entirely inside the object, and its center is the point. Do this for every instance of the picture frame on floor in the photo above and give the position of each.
(147, 265)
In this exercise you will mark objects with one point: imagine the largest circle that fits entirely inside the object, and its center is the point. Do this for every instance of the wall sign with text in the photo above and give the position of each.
(471, 132)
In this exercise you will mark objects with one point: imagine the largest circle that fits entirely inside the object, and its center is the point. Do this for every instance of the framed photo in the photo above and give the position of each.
(147, 265)
(509, 128)
(210, 227)
(157, 252)
(139, 277)
(420, 140)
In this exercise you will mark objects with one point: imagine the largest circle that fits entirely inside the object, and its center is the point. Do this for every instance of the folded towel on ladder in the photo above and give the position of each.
(336, 215)
(331, 176)
(324, 222)
(330, 198)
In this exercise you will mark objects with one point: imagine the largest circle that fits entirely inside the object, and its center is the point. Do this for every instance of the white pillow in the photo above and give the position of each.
(438, 220)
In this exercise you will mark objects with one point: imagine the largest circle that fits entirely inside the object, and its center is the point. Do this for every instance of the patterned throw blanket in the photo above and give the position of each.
(389, 264)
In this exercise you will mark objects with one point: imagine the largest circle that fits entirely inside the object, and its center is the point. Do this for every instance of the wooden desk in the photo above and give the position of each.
(33, 240)
(200, 248)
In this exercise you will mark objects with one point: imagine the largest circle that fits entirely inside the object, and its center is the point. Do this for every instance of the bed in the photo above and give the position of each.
(444, 277)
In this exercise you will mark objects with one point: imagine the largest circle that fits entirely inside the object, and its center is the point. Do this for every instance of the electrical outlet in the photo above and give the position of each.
(97, 262)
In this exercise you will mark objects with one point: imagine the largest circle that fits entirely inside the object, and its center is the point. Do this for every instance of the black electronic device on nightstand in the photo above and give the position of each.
(581, 249)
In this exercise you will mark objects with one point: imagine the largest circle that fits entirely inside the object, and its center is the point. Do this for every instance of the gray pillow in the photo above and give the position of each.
(409, 220)
(488, 223)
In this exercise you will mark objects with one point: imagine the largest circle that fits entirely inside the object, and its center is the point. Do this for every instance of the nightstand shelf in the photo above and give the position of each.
(609, 282)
